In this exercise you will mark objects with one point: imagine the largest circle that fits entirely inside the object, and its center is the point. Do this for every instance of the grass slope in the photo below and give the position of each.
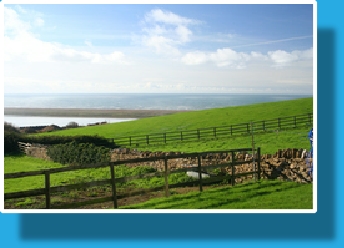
(263, 195)
(269, 142)
(196, 119)
(270, 194)
(23, 163)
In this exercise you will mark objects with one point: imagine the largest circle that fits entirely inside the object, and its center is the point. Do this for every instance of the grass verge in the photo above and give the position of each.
(261, 195)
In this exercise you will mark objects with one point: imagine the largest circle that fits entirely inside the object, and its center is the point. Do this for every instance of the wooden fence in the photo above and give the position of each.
(305, 120)
(48, 190)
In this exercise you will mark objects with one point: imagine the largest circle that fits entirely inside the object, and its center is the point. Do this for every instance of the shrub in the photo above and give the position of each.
(52, 140)
(74, 153)
(11, 138)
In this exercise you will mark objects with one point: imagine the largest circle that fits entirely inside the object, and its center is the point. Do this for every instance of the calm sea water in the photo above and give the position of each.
(139, 101)
(125, 101)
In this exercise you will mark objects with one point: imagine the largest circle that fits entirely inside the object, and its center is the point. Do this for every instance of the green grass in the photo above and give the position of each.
(269, 142)
(270, 194)
(196, 119)
(286, 195)
(262, 195)
(23, 163)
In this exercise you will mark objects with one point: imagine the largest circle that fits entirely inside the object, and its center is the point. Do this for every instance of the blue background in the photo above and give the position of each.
(266, 230)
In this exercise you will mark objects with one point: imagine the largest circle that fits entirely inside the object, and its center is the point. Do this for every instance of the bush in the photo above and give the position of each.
(78, 153)
(52, 140)
(11, 138)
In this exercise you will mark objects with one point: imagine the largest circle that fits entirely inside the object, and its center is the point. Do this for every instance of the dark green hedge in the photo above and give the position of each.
(78, 153)
(11, 140)
(53, 140)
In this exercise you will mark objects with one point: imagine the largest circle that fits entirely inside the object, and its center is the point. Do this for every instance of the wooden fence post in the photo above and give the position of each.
(166, 178)
(233, 169)
(258, 163)
(113, 184)
(199, 172)
(306, 119)
(47, 189)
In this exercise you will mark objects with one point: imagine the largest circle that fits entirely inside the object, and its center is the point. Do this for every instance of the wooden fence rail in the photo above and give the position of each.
(288, 122)
(48, 190)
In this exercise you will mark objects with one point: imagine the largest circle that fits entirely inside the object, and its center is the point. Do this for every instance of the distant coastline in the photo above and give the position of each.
(87, 112)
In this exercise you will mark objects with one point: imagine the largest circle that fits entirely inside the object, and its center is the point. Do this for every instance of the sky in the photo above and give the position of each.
(151, 48)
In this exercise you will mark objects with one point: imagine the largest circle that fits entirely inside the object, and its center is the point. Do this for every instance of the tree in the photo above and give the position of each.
(11, 138)
(72, 124)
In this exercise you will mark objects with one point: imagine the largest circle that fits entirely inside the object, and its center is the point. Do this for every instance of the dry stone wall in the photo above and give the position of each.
(288, 164)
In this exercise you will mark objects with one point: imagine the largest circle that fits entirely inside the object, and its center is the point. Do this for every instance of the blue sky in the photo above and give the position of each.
(227, 48)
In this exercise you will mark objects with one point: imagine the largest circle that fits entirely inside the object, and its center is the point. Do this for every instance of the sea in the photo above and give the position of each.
(126, 101)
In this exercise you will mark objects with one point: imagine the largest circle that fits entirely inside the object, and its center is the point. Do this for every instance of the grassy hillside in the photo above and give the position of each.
(264, 195)
(197, 119)
(23, 163)
(267, 194)
(269, 142)
(282, 195)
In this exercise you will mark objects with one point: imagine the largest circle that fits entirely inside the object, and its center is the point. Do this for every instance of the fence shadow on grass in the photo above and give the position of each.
(317, 226)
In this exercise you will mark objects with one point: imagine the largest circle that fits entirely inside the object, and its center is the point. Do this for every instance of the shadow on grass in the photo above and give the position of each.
(15, 155)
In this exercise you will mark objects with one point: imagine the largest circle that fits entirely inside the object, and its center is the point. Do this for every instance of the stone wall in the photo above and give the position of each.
(288, 164)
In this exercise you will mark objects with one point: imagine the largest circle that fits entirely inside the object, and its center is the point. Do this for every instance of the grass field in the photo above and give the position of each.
(288, 194)
(269, 142)
(196, 119)
(24, 163)
(263, 195)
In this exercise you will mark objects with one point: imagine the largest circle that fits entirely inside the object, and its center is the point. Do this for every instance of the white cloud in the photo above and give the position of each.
(39, 22)
(283, 58)
(304, 55)
(227, 57)
(165, 31)
(183, 33)
(158, 15)
(88, 68)
(195, 58)
(239, 60)
(258, 56)
(161, 44)
(12, 22)
(222, 57)
(21, 43)
(88, 43)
